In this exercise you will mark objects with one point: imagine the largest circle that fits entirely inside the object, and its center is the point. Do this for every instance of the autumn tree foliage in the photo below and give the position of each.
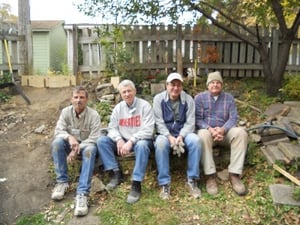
(232, 16)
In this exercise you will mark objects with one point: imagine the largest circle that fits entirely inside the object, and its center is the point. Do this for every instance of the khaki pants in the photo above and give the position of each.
(236, 138)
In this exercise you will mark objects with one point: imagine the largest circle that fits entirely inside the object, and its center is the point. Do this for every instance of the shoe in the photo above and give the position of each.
(211, 185)
(59, 191)
(116, 179)
(165, 192)
(81, 208)
(193, 188)
(135, 192)
(237, 184)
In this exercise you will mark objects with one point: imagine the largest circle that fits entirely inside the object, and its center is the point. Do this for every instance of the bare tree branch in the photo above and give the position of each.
(296, 23)
(224, 27)
(278, 11)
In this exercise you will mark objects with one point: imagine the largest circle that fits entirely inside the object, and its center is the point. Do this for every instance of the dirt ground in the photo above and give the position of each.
(25, 135)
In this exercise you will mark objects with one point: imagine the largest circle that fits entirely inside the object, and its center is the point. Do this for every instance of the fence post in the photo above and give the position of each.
(178, 49)
(75, 52)
(25, 43)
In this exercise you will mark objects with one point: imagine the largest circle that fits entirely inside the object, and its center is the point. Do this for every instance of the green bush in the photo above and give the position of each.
(104, 109)
(4, 97)
(5, 78)
(291, 88)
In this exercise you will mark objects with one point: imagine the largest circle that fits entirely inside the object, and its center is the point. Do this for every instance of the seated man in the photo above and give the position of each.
(174, 112)
(216, 119)
(76, 132)
(130, 129)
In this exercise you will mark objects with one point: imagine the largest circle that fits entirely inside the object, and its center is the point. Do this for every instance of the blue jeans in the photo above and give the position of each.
(162, 156)
(107, 149)
(60, 151)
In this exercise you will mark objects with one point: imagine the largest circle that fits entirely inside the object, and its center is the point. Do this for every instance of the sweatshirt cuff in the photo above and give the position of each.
(133, 140)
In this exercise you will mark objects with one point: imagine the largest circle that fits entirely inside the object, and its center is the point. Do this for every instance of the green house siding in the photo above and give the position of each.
(49, 47)
(58, 49)
(41, 53)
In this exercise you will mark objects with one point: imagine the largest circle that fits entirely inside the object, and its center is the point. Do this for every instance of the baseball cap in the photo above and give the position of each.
(174, 76)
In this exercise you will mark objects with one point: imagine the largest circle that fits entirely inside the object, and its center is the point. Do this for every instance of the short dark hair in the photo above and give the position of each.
(80, 88)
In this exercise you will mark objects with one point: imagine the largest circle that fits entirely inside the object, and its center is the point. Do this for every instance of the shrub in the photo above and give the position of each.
(291, 88)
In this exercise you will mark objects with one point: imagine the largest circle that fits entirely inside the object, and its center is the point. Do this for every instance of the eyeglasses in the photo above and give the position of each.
(178, 85)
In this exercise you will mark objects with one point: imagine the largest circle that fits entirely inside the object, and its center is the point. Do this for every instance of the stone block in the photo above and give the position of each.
(156, 88)
(283, 194)
(115, 81)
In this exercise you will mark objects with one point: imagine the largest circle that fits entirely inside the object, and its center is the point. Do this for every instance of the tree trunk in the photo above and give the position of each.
(274, 78)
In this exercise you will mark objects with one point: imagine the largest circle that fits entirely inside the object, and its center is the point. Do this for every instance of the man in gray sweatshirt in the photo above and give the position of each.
(174, 112)
(76, 133)
(130, 129)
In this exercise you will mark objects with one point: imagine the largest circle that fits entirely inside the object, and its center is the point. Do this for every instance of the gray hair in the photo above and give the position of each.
(77, 89)
(126, 83)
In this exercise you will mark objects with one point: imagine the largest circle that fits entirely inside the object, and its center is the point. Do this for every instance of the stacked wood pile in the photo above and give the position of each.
(280, 134)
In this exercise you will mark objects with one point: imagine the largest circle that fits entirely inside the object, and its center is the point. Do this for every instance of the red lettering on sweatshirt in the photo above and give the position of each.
(134, 121)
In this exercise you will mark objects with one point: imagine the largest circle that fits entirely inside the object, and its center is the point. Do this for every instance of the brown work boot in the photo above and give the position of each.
(211, 184)
(237, 184)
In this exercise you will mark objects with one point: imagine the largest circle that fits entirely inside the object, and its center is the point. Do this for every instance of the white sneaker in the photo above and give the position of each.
(59, 191)
(165, 192)
(81, 208)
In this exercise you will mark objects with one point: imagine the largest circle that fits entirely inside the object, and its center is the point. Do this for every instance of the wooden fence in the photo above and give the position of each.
(161, 49)
(9, 33)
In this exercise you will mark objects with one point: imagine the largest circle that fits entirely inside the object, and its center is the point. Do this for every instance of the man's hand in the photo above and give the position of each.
(74, 144)
(172, 140)
(71, 157)
(217, 133)
(177, 145)
(124, 148)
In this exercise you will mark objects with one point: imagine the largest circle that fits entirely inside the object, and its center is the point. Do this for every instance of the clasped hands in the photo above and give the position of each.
(217, 133)
(123, 147)
(177, 145)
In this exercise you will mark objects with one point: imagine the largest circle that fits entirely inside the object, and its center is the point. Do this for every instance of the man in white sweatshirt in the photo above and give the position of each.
(130, 129)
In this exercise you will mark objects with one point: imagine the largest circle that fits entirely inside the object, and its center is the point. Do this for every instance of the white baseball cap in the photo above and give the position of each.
(174, 76)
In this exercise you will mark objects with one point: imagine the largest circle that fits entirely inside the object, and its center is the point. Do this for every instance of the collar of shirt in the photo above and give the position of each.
(132, 107)
(79, 115)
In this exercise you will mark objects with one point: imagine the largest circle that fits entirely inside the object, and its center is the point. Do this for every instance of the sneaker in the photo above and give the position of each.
(211, 185)
(193, 188)
(81, 208)
(237, 184)
(135, 192)
(116, 179)
(59, 191)
(165, 192)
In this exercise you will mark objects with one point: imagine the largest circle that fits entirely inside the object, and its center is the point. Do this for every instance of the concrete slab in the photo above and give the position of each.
(283, 194)
(274, 109)
(89, 219)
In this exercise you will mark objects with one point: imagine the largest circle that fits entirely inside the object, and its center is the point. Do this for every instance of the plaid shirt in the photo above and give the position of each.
(215, 113)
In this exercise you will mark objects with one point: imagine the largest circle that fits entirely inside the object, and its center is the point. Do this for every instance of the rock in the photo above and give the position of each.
(283, 194)
(97, 185)
(223, 175)
(108, 98)
(40, 129)
(104, 89)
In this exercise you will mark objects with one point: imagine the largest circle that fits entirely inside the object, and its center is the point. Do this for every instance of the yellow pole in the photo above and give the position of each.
(8, 56)
(195, 75)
